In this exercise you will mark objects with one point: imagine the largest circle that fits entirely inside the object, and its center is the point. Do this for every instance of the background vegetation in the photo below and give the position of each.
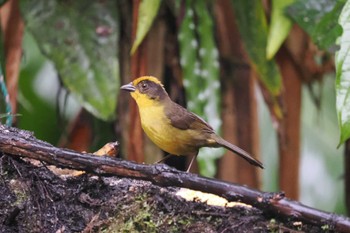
(260, 72)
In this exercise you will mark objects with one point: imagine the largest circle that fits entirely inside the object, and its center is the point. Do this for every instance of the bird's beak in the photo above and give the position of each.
(128, 87)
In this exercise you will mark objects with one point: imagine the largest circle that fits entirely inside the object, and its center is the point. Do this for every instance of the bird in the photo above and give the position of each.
(172, 127)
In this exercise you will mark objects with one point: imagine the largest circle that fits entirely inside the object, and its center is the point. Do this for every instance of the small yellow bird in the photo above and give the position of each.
(173, 128)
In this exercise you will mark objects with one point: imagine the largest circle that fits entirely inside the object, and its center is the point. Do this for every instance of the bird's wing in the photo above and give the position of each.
(183, 119)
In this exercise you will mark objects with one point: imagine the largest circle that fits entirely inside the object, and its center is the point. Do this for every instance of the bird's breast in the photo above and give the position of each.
(159, 129)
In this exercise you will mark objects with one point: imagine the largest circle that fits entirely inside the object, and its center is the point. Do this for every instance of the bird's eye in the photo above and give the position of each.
(144, 85)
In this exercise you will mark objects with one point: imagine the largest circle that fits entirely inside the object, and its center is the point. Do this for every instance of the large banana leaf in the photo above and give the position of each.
(81, 39)
(319, 19)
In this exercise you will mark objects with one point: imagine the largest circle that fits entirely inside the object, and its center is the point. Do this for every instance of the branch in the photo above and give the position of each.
(20, 143)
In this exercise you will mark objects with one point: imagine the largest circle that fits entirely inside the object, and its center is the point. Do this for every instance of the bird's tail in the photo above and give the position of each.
(238, 151)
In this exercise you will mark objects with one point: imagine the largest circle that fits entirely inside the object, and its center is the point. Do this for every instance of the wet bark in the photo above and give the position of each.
(20, 143)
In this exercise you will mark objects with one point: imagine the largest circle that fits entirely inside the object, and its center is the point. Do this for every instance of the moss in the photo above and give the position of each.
(20, 190)
(140, 215)
(87, 204)
(325, 227)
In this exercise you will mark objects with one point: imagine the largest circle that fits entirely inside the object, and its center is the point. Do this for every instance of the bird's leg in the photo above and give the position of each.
(164, 158)
(193, 159)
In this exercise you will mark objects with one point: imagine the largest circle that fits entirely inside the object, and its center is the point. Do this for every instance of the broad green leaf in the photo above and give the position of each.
(279, 27)
(200, 64)
(81, 39)
(147, 12)
(342, 62)
(252, 25)
(319, 19)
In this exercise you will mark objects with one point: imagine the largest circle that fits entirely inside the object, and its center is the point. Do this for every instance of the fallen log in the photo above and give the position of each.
(21, 143)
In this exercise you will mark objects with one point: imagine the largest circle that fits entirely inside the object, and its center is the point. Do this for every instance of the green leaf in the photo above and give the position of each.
(147, 12)
(279, 27)
(342, 61)
(200, 65)
(319, 19)
(81, 39)
(252, 25)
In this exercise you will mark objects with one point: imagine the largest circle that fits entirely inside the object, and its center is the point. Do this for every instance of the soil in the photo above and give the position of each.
(33, 199)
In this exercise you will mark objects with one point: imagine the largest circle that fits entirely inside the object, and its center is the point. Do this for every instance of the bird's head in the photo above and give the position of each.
(146, 89)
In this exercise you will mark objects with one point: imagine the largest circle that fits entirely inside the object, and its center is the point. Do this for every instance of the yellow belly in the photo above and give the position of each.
(163, 134)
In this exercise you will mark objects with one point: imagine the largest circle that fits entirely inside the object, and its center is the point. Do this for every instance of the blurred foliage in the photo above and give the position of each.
(5, 105)
(319, 18)
(2, 2)
(147, 12)
(280, 26)
(82, 40)
(343, 76)
(199, 60)
(321, 182)
(37, 113)
(251, 21)
(324, 186)
(253, 28)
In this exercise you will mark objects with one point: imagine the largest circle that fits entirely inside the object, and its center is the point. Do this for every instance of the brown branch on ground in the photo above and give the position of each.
(22, 143)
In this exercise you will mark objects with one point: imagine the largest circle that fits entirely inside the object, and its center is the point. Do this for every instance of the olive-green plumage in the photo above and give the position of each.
(172, 127)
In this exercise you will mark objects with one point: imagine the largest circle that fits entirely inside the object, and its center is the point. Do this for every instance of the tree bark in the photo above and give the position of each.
(19, 143)
(239, 105)
(289, 140)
